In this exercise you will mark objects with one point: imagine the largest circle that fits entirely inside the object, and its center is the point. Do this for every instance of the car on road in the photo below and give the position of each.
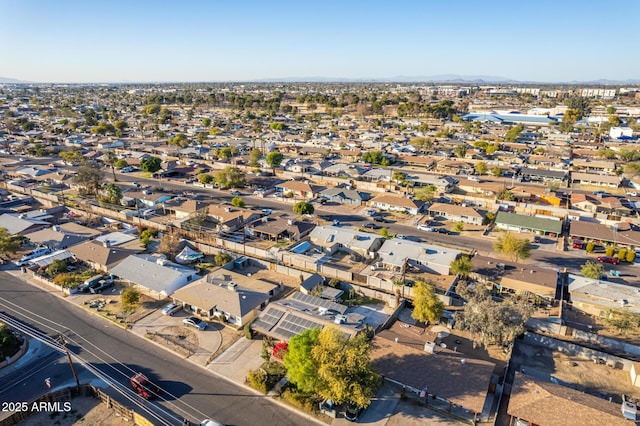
(194, 322)
(267, 212)
(425, 228)
(235, 192)
(608, 259)
(380, 219)
(209, 422)
(143, 386)
(371, 225)
(171, 309)
(443, 231)
(601, 194)
(103, 284)
(136, 184)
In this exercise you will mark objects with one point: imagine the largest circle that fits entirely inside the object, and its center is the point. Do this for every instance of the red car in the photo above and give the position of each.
(141, 384)
(607, 259)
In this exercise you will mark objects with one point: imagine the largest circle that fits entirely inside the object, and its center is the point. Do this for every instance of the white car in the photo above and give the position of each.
(267, 212)
(40, 251)
(425, 228)
(171, 309)
(474, 178)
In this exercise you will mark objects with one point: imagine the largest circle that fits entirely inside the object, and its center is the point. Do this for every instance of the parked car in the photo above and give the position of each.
(371, 225)
(90, 283)
(267, 212)
(425, 228)
(235, 192)
(379, 219)
(143, 386)
(443, 231)
(195, 322)
(103, 284)
(136, 184)
(171, 309)
(607, 259)
(209, 422)
(578, 245)
(127, 169)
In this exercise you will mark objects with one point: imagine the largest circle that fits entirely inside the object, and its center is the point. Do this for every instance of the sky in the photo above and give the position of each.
(244, 40)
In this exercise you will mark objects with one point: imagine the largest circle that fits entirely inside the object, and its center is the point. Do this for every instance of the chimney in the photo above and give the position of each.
(106, 243)
(232, 286)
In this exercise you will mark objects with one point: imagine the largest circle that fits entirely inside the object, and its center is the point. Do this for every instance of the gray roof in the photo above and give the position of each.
(56, 239)
(16, 225)
(329, 235)
(395, 251)
(557, 174)
(350, 194)
(311, 282)
(150, 271)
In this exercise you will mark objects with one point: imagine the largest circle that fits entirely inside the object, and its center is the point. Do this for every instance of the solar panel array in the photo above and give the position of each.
(269, 319)
(294, 325)
(317, 302)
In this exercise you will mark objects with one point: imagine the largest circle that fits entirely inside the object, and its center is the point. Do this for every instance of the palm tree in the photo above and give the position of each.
(110, 158)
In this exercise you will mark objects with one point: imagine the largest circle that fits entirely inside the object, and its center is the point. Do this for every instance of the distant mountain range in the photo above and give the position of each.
(441, 78)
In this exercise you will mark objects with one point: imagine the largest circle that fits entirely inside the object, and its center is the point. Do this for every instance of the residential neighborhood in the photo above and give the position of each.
(477, 251)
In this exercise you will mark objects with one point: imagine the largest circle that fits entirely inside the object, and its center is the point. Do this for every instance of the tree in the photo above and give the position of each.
(302, 369)
(230, 177)
(303, 207)
(180, 140)
(222, 258)
(496, 171)
(375, 157)
(344, 368)
(509, 245)
(55, 267)
(151, 164)
(70, 156)
(591, 246)
(9, 343)
(130, 296)
(506, 195)
(592, 270)
(514, 133)
(622, 319)
(109, 158)
(423, 144)
(384, 233)
(426, 193)
(460, 151)
(206, 122)
(169, 243)
(146, 236)
(237, 202)
(580, 105)
(205, 178)
(254, 157)
(631, 256)
(461, 266)
(225, 153)
(274, 159)
(89, 178)
(112, 194)
(493, 323)
(120, 163)
(8, 243)
(427, 307)
(481, 167)
(399, 176)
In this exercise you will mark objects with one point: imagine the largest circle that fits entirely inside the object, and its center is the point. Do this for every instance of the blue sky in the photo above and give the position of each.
(136, 40)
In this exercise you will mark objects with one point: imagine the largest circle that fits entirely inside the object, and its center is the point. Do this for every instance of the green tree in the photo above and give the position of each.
(274, 159)
(231, 177)
(509, 245)
(237, 202)
(222, 258)
(506, 195)
(427, 307)
(55, 267)
(460, 151)
(225, 153)
(9, 343)
(481, 167)
(120, 164)
(112, 194)
(592, 270)
(8, 243)
(631, 256)
(375, 157)
(461, 266)
(205, 178)
(384, 233)
(303, 207)
(130, 296)
(206, 122)
(426, 193)
(344, 368)
(71, 156)
(458, 227)
(89, 178)
(591, 246)
(399, 176)
(151, 164)
(180, 140)
(254, 157)
(496, 171)
(514, 133)
(302, 369)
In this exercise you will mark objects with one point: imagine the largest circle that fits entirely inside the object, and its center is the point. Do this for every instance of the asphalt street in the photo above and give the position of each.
(188, 391)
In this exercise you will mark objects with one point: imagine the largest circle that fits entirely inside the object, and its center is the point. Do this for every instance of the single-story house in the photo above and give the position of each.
(592, 179)
(620, 234)
(543, 175)
(298, 189)
(543, 403)
(154, 273)
(101, 256)
(20, 225)
(596, 297)
(515, 277)
(397, 203)
(345, 196)
(280, 228)
(227, 295)
(519, 222)
(315, 285)
(333, 238)
(395, 253)
(55, 238)
(456, 213)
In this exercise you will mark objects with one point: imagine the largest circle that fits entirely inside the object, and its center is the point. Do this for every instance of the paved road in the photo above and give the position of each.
(189, 390)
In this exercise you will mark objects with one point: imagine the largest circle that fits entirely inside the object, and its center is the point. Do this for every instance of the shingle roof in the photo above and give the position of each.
(549, 404)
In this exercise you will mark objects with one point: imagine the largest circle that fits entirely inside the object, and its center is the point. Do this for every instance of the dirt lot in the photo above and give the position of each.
(84, 411)
(110, 306)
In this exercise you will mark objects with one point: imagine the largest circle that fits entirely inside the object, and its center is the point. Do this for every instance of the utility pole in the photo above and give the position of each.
(73, 368)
